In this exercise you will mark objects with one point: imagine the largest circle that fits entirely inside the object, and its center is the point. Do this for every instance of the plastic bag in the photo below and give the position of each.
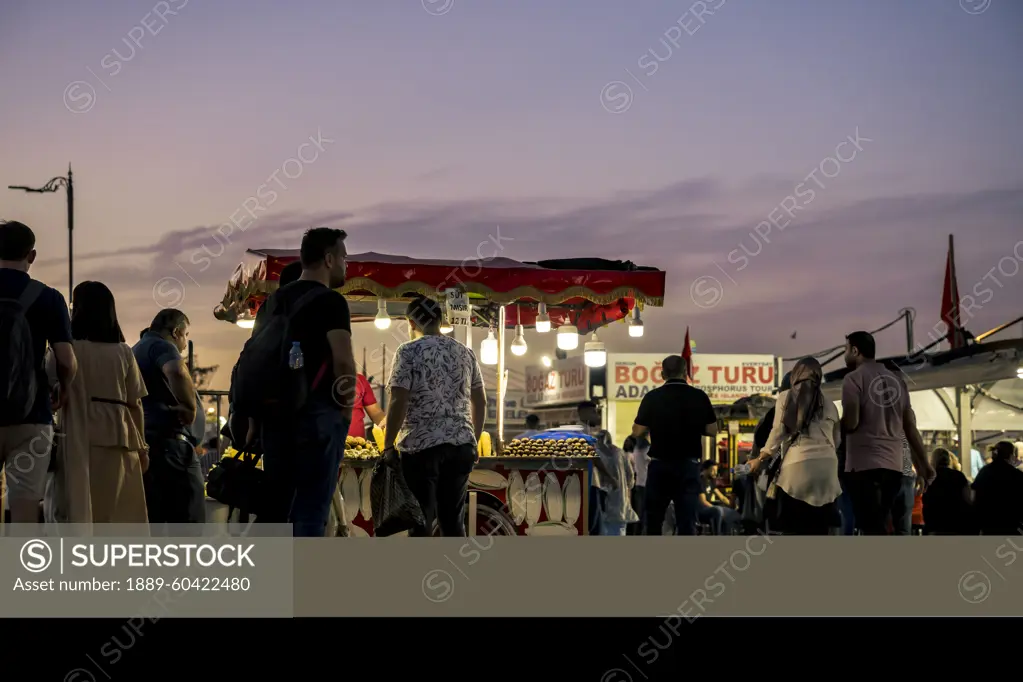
(395, 508)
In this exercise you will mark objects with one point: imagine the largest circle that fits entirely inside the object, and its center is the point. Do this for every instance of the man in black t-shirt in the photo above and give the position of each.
(998, 493)
(676, 417)
(26, 441)
(302, 457)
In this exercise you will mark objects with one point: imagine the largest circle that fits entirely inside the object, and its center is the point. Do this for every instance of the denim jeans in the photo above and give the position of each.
(301, 460)
(845, 508)
(721, 519)
(613, 528)
(902, 509)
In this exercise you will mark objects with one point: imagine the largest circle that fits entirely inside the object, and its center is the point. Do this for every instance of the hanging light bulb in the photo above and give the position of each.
(635, 324)
(594, 353)
(546, 360)
(568, 337)
(543, 320)
(446, 326)
(488, 349)
(518, 346)
(382, 319)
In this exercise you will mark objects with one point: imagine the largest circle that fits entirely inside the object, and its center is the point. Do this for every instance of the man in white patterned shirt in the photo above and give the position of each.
(435, 418)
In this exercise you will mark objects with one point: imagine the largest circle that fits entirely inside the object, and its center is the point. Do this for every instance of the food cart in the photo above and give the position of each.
(519, 488)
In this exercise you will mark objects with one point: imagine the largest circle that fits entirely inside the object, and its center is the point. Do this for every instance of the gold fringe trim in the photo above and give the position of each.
(503, 298)
(235, 301)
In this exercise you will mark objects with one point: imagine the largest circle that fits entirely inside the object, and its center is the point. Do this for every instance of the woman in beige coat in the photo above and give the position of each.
(99, 479)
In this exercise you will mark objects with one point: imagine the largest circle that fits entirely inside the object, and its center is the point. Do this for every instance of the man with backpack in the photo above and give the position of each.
(32, 315)
(296, 383)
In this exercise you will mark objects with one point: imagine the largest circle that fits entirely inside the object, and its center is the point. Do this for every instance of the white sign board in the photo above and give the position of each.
(725, 378)
(566, 381)
(459, 312)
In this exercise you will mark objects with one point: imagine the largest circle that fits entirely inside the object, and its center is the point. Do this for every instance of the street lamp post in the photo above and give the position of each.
(52, 186)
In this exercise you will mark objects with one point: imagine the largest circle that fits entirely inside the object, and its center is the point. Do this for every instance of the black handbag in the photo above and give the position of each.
(395, 508)
(238, 483)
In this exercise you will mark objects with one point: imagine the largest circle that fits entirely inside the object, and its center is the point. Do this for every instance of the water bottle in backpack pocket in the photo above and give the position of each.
(19, 371)
(295, 358)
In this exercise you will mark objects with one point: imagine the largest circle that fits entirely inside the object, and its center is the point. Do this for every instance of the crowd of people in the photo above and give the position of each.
(812, 472)
(130, 425)
(124, 445)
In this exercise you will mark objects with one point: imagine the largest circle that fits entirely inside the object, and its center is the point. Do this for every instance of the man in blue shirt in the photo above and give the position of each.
(26, 439)
(175, 491)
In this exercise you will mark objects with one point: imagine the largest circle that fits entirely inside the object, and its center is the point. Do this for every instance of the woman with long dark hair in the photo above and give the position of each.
(105, 453)
(803, 443)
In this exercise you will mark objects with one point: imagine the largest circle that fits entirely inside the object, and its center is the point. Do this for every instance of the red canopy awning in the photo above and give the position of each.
(589, 293)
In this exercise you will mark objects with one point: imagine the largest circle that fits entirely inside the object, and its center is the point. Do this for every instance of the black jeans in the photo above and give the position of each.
(174, 482)
(439, 478)
(873, 493)
(672, 481)
(796, 517)
(639, 506)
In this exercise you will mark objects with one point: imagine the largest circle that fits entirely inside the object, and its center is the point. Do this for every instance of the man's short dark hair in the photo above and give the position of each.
(290, 273)
(16, 241)
(317, 243)
(425, 313)
(673, 367)
(532, 421)
(708, 464)
(630, 444)
(864, 343)
(168, 321)
(1003, 450)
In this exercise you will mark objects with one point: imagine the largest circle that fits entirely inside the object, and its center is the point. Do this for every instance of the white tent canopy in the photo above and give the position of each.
(981, 368)
(936, 409)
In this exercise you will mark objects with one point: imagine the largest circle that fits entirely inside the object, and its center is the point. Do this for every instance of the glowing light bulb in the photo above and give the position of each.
(488, 349)
(382, 319)
(518, 346)
(568, 337)
(594, 352)
(543, 320)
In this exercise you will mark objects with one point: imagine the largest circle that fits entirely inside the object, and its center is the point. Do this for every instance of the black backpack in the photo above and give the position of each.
(19, 372)
(263, 386)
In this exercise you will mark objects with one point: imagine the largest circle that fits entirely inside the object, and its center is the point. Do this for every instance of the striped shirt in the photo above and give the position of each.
(907, 459)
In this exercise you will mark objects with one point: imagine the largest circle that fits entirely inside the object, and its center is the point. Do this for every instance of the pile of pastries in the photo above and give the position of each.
(360, 448)
(549, 447)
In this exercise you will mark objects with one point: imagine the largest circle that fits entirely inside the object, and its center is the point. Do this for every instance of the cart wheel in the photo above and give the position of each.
(491, 519)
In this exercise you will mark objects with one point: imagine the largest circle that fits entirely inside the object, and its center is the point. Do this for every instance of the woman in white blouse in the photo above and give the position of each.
(805, 434)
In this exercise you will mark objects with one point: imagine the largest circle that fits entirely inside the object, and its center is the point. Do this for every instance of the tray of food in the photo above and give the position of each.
(360, 448)
(544, 447)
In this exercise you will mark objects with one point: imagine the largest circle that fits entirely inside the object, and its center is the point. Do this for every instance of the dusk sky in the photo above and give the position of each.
(438, 121)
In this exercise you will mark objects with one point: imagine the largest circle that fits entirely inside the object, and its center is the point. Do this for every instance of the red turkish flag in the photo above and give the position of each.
(687, 355)
(950, 301)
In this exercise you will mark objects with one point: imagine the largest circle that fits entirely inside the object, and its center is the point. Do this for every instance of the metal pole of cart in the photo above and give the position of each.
(501, 379)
